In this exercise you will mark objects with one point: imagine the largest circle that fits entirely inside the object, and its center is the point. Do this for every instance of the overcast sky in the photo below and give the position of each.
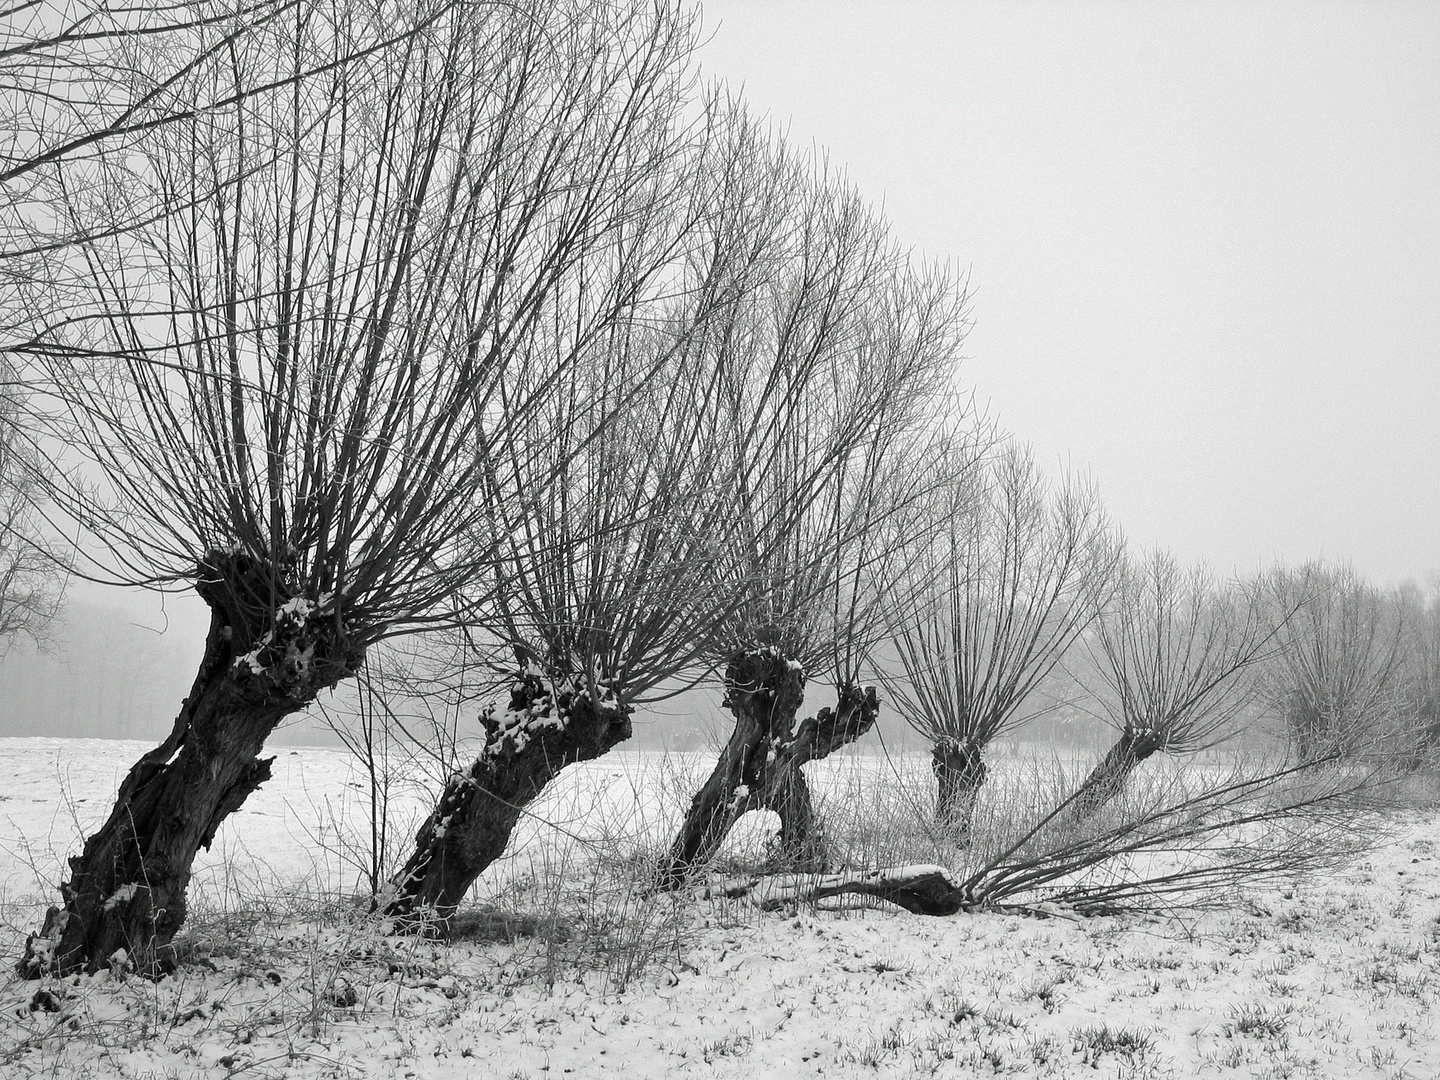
(1204, 242)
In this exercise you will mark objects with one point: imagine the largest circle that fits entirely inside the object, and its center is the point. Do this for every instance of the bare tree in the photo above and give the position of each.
(836, 373)
(1015, 574)
(608, 584)
(1421, 670)
(31, 565)
(280, 388)
(1336, 679)
(1174, 651)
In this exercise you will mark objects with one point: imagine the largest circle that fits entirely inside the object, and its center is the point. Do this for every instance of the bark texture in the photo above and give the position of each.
(546, 727)
(1108, 778)
(959, 773)
(267, 654)
(761, 764)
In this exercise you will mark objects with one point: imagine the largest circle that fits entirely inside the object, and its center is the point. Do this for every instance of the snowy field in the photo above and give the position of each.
(566, 967)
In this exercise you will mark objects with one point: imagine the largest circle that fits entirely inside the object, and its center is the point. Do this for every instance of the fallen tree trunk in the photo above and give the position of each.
(547, 726)
(922, 889)
(125, 899)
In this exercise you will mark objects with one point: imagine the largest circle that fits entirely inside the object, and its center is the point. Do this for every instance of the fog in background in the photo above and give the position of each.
(107, 672)
(1204, 243)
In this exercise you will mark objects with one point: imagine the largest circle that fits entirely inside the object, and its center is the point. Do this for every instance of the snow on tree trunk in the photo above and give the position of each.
(125, 899)
(1108, 778)
(959, 772)
(547, 726)
(760, 766)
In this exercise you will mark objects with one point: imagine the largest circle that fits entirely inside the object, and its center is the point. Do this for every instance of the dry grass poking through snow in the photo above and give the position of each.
(568, 967)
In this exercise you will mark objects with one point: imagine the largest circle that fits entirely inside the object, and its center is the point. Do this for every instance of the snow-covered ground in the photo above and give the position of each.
(567, 968)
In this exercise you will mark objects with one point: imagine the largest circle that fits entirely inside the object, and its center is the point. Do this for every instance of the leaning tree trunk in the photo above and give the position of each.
(268, 654)
(760, 766)
(1108, 778)
(784, 790)
(547, 727)
(959, 773)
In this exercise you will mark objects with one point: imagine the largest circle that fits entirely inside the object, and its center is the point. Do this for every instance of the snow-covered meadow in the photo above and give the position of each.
(567, 966)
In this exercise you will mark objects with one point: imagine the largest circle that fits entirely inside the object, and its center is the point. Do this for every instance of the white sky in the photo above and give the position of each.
(1204, 242)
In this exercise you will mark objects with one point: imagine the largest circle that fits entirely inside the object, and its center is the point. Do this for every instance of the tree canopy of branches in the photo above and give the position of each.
(1336, 680)
(83, 84)
(1173, 650)
(836, 371)
(280, 384)
(1013, 574)
(606, 585)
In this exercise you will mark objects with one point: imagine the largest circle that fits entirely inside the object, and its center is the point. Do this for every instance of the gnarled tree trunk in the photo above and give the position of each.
(546, 727)
(125, 899)
(784, 790)
(760, 766)
(959, 772)
(1108, 777)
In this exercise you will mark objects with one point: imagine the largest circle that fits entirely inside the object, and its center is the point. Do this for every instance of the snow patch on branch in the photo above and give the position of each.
(278, 651)
(539, 703)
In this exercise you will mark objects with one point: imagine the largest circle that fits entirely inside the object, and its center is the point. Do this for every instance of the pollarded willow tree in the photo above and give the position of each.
(1012, 575)
(280, 371)
(1176, 653)
(837, 377)
(607, 581)
(1337, 678)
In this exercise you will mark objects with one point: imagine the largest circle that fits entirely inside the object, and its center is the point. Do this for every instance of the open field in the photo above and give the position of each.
(566, 966)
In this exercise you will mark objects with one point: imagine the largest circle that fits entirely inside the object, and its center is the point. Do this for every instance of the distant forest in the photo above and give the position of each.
(104, 676)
